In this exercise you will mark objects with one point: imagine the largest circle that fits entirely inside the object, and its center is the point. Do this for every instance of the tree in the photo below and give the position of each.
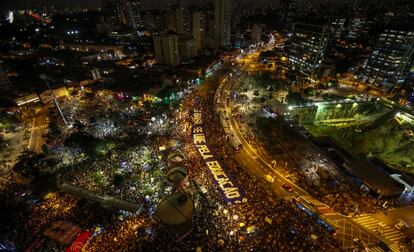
(98, 179)
(295, 98)
(2, 142)
(30, 164)
(118, 179)
(53, 127)
(45, 149)
(82, 140)
(147, 105)
(310, 91)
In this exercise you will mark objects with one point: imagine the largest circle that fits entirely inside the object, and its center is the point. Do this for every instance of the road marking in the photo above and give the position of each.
(375, 249)
(386, 231)
(31, 134)
(312, 201)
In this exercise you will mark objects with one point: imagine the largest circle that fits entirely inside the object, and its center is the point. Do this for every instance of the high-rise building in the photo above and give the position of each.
(256, 33)
(5, 83)
(287, 9)
(210, 24)
(356, 27)
(171, 20)
(121, 10)
(237, 14)
(307, 48)
(166, 49)
(154, 20)
(179, 18)
(338, 27)
(134, 13)
(129, 13)
(391, 59)
(223, 10)
(108, 7)
(197, 31)
(185, 48)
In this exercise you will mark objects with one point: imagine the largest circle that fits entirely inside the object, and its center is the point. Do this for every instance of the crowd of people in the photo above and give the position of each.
(290, 221)
(132, 175)
(262, 222)
(25, 220)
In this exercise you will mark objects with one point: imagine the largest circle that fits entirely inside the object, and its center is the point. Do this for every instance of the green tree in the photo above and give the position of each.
(295, 98)
(118, 179)
(30, 164)
(45, 149)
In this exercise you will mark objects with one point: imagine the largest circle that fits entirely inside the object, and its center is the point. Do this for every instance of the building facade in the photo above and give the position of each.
(166, 49)
(129, 12)
(134, 14)
(223, 11)
(306, 48)
(5, 83)
(197, 31)
(287, 9)
(391, 58)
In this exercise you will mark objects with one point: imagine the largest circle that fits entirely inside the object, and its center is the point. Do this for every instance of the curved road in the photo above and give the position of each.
(346, 228)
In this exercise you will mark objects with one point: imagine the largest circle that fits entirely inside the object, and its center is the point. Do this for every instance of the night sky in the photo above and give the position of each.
(96, 3)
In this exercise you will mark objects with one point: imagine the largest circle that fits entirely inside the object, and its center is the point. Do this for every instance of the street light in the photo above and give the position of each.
(45, 78)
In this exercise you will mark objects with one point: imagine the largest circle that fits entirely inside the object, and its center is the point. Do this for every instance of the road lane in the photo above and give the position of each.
(38, 127)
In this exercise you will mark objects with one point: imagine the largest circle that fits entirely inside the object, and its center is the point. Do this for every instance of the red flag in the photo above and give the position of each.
(79, 242)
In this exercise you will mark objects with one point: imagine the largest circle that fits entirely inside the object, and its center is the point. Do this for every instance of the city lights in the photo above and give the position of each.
(225, 125)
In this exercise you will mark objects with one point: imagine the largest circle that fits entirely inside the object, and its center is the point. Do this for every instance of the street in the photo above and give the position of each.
(37, 129)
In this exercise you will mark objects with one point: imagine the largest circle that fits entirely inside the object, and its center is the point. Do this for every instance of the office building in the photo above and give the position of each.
(306, 48)
(223, 10)
(121, 11)
(179, 18)
(197, 31)
(108, 7)
(256, 33)
(287, 9)
(171, 20)
(391, 58)
(338, 27)
(357, 26)
(134, 14)
(166, 49)
(186, 48)
(128, 12)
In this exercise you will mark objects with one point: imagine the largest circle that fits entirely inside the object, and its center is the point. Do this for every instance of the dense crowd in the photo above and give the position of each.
(291, 222)
(262, 222)
(217, 225)
(25, 220)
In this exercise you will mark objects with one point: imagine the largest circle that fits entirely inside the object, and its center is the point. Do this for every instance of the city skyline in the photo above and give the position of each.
(98, 3)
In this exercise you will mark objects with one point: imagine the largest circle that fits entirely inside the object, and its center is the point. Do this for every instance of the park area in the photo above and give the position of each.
(384, 135)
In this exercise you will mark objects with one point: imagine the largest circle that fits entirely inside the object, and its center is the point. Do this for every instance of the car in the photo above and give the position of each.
(287, 187)
(269, 178)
